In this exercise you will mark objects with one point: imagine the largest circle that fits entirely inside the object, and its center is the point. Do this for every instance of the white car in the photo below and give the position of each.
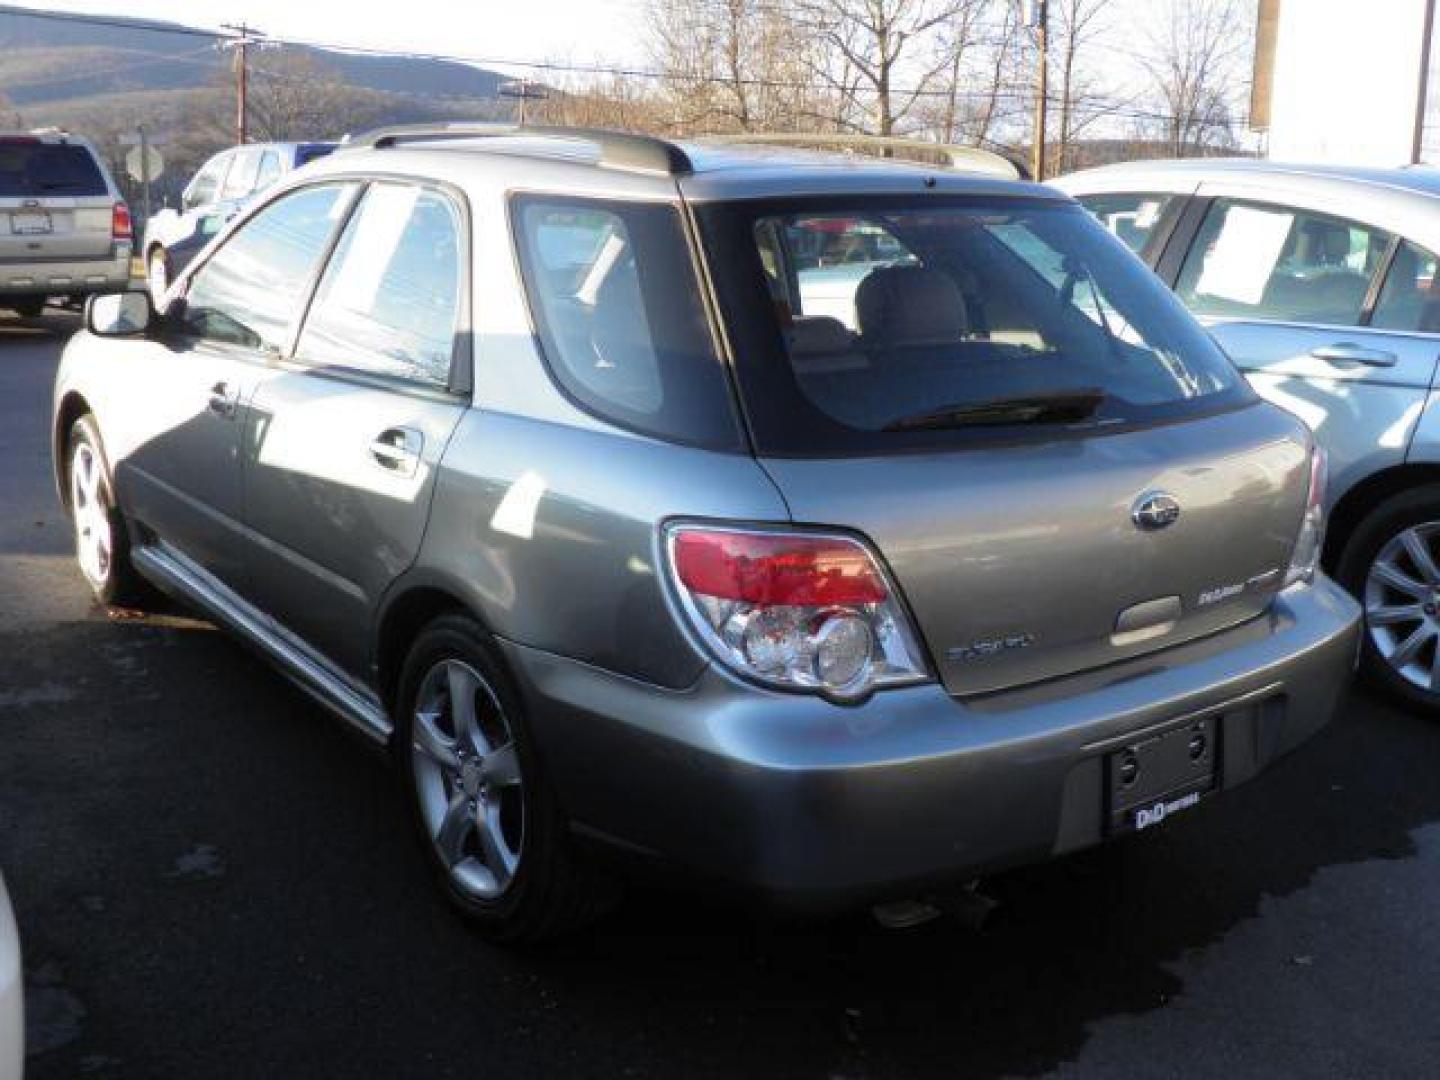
(12, 1011)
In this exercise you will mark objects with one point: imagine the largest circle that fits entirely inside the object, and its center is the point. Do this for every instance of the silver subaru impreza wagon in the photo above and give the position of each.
(837, 529)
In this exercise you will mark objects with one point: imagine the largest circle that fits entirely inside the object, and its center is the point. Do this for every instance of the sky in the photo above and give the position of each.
(578, 31)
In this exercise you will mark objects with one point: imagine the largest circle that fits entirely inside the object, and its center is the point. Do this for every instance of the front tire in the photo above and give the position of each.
(102, 545)
(1391, 564)
(491, 828)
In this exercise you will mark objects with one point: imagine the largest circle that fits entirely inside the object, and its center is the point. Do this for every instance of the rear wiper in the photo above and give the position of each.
(1064, 407)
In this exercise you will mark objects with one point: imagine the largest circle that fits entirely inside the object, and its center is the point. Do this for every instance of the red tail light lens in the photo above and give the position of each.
(794, 610)
(121, 227)
(766, 569)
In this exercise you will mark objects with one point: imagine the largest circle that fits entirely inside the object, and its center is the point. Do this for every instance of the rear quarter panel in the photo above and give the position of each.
(549, 532)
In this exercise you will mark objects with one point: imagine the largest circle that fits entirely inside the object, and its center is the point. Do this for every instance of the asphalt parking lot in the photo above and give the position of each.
(214, 880)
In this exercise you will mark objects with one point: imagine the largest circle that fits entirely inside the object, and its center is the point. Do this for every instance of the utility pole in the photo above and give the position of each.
(1037, 16)
(1422, 95)
(522, 90)
(243, 37)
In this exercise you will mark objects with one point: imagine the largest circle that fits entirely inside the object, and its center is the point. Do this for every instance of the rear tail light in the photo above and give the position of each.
(794, 610)
(121, 227)
(1305, 556)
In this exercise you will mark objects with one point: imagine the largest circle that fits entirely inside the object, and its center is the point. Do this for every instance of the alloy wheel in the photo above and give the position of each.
(94, 541)
(1402, 605)
(468, 778)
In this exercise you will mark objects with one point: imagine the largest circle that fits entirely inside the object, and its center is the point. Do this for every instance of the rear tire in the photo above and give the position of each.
(491, 827)
(102, 542)
(1391, 564)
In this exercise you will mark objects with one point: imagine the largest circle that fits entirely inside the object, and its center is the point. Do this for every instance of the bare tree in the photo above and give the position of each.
(884, 55)
(1194, 66)
(1075, 26)
(293, 96)
(734, 65)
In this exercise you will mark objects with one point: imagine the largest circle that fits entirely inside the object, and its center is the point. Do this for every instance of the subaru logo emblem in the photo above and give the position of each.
(1154, 510)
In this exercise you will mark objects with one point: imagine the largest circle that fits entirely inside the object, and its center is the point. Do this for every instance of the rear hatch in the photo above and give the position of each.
(54, 202)
(1058, 466)
(1021, 563)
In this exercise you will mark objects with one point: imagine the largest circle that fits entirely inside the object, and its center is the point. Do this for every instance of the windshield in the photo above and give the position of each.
(48, 169)
(878, 323)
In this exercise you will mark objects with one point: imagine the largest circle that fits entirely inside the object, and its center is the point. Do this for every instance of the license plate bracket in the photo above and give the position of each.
(30, 223)
(1161, 775)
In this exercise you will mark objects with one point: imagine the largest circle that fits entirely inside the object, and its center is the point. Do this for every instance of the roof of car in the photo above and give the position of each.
(1422, 179)
(722, 169)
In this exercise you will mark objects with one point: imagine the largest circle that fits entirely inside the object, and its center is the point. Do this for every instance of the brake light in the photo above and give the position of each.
(121, 227)
(794, 610)
(1309, 541)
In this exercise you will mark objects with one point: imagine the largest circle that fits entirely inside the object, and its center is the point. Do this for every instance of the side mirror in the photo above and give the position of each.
(125, 314)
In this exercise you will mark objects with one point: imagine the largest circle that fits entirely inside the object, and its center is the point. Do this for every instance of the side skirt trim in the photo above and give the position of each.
(357, 705)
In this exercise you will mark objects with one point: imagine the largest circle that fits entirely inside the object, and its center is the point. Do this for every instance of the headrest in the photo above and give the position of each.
(910, 305)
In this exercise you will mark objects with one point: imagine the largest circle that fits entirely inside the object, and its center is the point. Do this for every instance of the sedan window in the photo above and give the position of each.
(1411, 297)
(250, 291)
(1269, 262)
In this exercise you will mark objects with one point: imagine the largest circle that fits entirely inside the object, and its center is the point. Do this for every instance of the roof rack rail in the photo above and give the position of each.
(617, 149)
(960, 158)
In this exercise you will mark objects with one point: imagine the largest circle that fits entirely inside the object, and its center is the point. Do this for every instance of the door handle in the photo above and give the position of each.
(1347, 352)
(398, 450)
(224, 401)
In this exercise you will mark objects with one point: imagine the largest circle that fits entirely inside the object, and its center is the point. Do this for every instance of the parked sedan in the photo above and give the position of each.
(218, 190)
(1321, 283)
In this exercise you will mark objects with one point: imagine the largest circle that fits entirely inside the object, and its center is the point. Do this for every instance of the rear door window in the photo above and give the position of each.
(1410, 299)
(615, 298)
(36, 169)
(241, 179)
(269, 170)
(388, 302)
(1133, 218)
(1252, 260)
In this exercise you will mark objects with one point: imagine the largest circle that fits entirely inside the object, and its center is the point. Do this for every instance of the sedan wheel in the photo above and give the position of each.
(1402, 605)
(468, 779)
(94, 537)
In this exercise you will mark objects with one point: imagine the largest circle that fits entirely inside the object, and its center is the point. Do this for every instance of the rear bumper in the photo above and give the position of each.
(80, 277)
(814, 804)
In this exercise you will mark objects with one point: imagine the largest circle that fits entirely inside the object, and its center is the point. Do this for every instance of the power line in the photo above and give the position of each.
(566, 67)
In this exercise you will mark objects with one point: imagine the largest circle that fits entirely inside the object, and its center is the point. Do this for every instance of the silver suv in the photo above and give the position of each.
(837, 529)
(64, 229)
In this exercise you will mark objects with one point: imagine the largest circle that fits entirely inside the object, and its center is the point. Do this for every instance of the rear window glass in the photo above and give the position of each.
(48, 169)
(880, 324)
(615, 299)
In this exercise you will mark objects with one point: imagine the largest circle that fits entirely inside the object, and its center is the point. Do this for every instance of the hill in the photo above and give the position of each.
(103, 81)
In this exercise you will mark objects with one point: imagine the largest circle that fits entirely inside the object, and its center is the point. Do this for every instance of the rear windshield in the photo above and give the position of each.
(48, 169)
(865, 325)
